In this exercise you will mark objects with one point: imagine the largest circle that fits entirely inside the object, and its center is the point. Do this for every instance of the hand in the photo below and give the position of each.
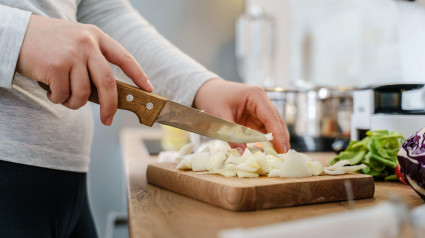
(67, 56)
(246, 105)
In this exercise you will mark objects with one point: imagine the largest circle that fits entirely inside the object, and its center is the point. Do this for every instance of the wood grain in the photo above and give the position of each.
(132, 99)
(158, 212)
(258, 193)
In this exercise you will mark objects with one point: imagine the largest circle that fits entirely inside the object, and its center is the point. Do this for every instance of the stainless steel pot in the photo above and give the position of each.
(318, 119)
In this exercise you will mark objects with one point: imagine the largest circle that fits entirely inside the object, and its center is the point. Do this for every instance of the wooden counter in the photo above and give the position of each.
(156, 212)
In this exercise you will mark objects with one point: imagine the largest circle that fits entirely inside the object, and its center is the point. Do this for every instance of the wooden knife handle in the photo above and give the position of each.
(145, 105)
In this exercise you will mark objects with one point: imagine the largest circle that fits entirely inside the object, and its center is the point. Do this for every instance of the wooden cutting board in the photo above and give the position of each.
(242, 194)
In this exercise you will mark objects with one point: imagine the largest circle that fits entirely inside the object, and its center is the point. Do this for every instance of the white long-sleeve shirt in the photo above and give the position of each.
(33, 130)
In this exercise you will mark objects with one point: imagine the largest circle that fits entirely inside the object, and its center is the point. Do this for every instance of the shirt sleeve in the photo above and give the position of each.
(174, 74)
(13, 24)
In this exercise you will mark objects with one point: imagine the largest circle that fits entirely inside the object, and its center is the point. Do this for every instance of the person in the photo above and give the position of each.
(45, 140)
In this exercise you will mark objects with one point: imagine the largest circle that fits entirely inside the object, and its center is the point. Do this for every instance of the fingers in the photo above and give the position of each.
(252, 122)
(59, 87)
(80, 87)
(267, 113)
(117, 55)
(285, 130)
(104, 80)
(280, 138)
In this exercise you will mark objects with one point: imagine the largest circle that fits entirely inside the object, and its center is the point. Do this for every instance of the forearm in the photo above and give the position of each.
(174, 74)
(13, 24)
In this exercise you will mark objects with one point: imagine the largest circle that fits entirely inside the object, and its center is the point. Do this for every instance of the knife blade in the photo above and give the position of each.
(151, 108)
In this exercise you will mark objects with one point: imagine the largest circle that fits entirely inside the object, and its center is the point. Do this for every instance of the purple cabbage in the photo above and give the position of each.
(411, 158)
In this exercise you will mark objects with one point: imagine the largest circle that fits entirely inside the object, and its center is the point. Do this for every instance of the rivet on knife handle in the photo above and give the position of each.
(145, 105)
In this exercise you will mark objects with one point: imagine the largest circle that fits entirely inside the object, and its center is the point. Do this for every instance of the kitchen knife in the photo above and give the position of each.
(151, 108)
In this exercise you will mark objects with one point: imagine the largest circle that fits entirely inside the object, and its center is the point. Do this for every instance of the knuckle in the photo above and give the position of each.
(93, 29)
(89, 35)
(64, 96)
(63, 93)
(108, 81)
(76, 105)
(258, 90)
(85, 93)
(82, 94)
(54, 99)
(71, 106)
(86, 39)
(73, 52)
(58, 94)
(58, 97)
(127, 58)
(57, 64)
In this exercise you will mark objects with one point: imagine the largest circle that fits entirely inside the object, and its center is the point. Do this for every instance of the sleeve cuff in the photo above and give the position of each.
(186, 95)
(13, 25)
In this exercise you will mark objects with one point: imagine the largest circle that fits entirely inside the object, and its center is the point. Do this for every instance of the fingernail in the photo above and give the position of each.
(285, 148)
(109, 121)
(150, 86)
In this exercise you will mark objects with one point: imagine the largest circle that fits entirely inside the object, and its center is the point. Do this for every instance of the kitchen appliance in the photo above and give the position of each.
(396, 107)
(316, 118)
(151, 108)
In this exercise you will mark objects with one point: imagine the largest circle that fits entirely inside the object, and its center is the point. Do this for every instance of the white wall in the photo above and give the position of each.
(204, 29)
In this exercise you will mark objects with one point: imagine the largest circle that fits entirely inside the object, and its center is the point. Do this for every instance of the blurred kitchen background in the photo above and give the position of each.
(309, 55)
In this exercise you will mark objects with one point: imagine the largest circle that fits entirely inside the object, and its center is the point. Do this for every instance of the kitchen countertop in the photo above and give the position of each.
(156, 212)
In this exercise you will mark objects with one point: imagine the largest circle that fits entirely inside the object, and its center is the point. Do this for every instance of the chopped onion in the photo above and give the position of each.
(294, 166)
(200, 161)
(185, 163)
(217, 161)
(341, 168)
(269, 136)
(218, 158)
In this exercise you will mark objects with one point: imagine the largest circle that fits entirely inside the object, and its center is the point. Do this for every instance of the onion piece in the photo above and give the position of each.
(252, 161)
(338, 164)
(350, 169)
(224, 172)
(216, 161)
(340, 168)
(316, 167)
(200, 161)
(246, 167)
(185, 163)
(274, 162)
(294, 166)
(247, 153)
(269, 136)
(333, 172)
(274, 173)
(233, 159)
(218, 146)
(268, 148)
(262, 161)
(246, 174)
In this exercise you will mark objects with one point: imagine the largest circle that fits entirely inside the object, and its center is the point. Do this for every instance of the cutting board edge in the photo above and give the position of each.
(362, 187)
(245, 196)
